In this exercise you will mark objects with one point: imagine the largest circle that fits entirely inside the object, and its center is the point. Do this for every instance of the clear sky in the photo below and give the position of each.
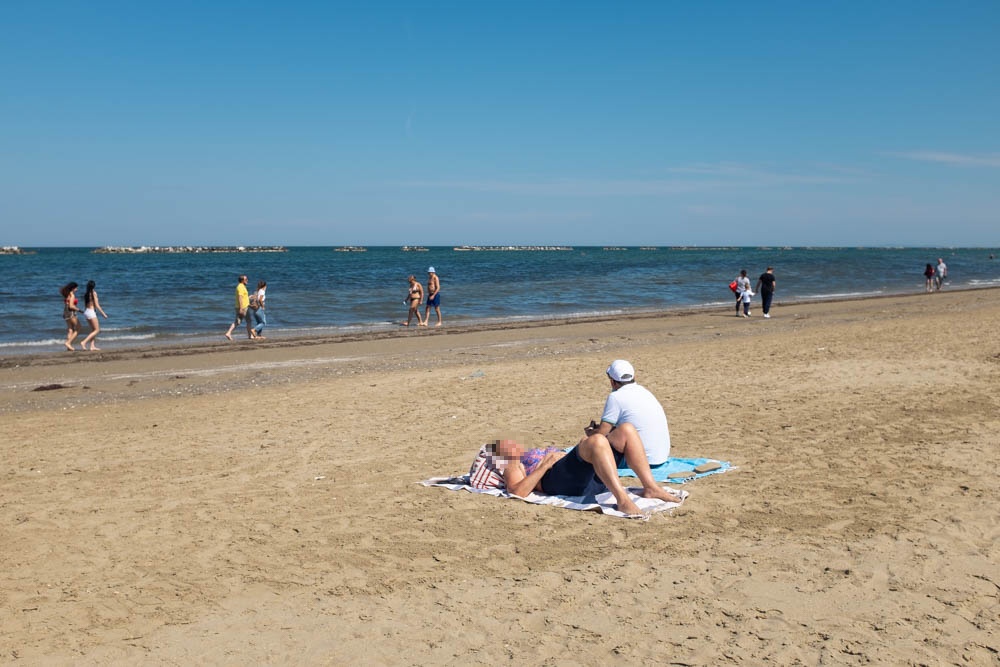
(479, 122)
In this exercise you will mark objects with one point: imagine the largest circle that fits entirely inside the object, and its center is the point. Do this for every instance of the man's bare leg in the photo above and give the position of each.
(596, 451)
(624, 438)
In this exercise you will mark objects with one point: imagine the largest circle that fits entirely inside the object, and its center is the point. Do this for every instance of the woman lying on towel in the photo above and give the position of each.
(588, 469)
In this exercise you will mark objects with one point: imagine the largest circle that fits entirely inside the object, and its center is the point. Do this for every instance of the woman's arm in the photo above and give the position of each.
(97, 306)
(520, 484)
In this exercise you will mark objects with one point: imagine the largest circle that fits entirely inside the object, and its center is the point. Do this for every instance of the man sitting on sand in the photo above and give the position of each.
(631, 403)
(588, 469)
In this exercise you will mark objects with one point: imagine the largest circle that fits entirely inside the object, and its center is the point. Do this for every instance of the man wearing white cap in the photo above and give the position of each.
(632, 403)
(433, 297)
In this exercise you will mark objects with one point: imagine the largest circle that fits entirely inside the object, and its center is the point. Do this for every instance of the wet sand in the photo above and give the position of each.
(258, 503)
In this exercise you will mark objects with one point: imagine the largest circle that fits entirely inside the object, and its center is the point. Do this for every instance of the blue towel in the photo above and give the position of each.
(672, 464)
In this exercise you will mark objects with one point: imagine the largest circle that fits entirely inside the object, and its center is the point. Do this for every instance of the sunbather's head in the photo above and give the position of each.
(508, 449)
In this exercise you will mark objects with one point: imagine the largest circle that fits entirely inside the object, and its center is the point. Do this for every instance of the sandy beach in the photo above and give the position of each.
(259, 504)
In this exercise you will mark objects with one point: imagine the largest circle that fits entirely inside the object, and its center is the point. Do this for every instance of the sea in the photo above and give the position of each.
(175, 298)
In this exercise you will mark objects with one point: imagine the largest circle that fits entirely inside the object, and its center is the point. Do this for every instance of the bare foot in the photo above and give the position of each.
(228, 336)
(660, 493)
(629, 507)
(83, 346)
(94, 347)
(438, 324)
(70, 347)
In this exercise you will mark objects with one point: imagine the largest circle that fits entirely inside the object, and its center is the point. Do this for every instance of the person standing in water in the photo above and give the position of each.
(942, 273)
(92, 306)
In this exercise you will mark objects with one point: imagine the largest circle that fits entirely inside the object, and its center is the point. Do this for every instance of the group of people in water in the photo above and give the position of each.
(415, 296)
(71, 310)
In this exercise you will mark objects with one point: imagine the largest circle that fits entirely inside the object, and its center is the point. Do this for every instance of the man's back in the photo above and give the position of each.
(636, 405)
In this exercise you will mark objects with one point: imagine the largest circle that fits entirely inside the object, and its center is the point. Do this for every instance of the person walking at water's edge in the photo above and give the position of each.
(256, 312)
(929, 273)
(242, 304)
(742, 298)
(92, 306)
(942, 273)
(414, 297)
(70, 310)
(765, 287)
(433, 297)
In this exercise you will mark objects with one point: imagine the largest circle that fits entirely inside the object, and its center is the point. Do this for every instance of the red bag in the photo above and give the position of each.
(732, 286)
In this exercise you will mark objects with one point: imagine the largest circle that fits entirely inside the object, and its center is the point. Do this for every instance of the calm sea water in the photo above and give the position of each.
(172, 298)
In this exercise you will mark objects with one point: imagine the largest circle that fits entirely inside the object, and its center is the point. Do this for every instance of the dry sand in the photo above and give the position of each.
(259, 503)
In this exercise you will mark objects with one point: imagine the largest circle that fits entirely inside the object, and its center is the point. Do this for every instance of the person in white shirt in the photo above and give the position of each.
(633, 404)
(742, 287)
(942, 272)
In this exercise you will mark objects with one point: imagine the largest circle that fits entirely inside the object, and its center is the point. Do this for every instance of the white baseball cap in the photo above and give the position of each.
(430, 270)
(621, 371)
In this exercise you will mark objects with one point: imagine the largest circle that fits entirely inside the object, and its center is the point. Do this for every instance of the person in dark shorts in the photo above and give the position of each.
(588, 469)
(433, 297)
(765, 287)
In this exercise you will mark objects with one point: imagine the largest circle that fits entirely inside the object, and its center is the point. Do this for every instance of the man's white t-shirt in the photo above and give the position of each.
(636, 405)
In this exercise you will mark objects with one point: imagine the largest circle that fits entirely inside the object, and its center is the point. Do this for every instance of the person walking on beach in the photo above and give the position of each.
(631, 403)
(257, 311)
(742, 285)
(929, 277)
(414, 297)
(590, 468)
(242, 303)
(433, 297)
(765, 287)
(92, 306)
(70, 310)
(942, 273)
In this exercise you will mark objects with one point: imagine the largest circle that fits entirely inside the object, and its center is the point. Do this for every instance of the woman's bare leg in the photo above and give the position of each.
(95, 328)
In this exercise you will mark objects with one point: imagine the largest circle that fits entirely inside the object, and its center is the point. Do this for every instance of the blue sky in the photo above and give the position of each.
(659, 123)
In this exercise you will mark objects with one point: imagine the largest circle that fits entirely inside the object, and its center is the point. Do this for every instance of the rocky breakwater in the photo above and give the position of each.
(126, 250)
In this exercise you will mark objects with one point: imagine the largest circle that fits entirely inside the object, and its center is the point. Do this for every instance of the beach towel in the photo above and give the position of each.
(602, 502)
(676, 465)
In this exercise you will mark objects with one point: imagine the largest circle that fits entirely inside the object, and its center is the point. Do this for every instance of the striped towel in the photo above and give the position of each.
(602, 502)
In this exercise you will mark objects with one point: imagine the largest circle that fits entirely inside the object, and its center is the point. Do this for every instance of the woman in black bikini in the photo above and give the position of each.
(415, 296)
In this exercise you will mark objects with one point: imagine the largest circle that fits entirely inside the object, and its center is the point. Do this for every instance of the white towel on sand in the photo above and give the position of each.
(602, 502)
